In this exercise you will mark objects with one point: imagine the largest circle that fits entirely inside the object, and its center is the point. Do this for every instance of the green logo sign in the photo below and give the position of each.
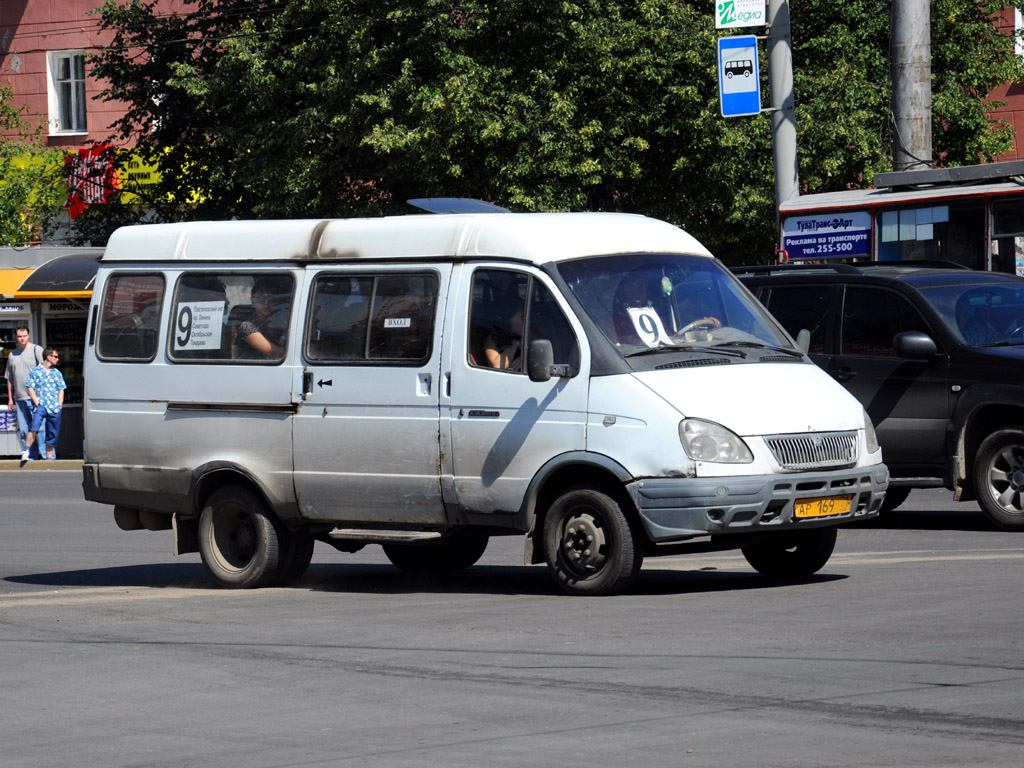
(726, 13)
(730, 14)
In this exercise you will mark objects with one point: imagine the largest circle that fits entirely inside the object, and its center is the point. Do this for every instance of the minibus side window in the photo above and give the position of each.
(239, 317)
(502, 322)
(130, 320)
(372, 319)
(547, 321)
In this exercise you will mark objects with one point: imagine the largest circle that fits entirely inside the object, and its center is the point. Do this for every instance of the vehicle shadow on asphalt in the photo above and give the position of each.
(964, 516)
(361, 578)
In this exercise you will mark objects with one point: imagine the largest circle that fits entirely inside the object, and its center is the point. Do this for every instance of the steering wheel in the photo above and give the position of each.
(702, 322)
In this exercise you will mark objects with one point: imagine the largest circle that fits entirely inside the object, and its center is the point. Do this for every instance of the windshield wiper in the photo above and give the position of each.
(1001, 344)
(759, 345)
(684, 348)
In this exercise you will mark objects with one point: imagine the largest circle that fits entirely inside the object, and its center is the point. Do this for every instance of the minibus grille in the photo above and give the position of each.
(813, 450)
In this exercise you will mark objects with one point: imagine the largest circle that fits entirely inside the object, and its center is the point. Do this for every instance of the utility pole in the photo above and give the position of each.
(780, 77)
(911, 54)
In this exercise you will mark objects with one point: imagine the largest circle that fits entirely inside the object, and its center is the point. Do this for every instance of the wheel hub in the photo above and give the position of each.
(583, 543)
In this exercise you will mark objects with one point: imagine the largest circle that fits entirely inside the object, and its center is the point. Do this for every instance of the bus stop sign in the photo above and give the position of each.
(739, 84)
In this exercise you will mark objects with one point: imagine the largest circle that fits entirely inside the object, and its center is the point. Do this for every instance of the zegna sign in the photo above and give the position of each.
(733, 14)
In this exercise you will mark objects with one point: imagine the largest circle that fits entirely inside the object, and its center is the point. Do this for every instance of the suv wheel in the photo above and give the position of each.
(894, 497)
(999, 478)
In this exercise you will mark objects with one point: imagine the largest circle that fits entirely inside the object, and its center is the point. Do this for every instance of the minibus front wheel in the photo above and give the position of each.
(590, 544)
(240, 543)
(791, 554)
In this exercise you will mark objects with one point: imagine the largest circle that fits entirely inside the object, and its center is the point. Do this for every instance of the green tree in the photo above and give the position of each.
(31, 188)
(317, 108)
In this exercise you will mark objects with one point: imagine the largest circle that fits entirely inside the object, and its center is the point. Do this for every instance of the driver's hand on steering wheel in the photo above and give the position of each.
(703, 322)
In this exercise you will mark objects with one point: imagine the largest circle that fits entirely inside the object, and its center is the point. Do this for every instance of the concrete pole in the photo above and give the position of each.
(911, 56)
(780, 79)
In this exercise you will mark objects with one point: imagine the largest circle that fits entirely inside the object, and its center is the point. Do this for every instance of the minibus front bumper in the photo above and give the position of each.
(674, 508)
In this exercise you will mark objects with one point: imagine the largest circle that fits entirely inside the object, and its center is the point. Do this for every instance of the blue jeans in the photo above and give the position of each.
(23, 408)
(51, 430)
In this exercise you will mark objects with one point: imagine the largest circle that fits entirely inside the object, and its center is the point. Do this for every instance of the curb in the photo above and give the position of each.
(40, 465)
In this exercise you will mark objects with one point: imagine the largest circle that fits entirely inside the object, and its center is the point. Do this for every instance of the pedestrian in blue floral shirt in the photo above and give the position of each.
(45, 385)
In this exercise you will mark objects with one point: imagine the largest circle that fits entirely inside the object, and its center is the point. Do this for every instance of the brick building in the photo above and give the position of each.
(43, 49)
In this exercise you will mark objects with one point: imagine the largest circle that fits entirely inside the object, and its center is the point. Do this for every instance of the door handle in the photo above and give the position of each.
(842, 373)
(307, 384)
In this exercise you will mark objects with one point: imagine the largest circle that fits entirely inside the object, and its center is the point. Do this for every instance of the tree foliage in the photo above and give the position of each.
(31, 191)
(295, 108)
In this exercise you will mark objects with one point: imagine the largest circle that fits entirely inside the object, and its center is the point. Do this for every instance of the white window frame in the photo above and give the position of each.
(60, 90)
(1018, 31)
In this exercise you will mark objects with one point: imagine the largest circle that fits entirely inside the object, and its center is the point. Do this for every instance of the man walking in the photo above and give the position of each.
(46, 387)
(23, 358)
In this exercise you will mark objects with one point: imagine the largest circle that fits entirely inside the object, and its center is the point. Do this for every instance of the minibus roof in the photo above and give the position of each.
(531, 237)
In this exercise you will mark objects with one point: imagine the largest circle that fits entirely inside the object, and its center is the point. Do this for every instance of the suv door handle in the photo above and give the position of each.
(842, 373)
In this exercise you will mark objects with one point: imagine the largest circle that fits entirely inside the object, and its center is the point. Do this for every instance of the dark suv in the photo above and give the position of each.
(935, 355)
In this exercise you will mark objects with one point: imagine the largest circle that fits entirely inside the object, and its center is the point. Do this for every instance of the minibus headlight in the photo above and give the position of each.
(869, 434)
(707, 441)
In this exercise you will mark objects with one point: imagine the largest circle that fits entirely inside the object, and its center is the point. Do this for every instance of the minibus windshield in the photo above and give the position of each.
(648, 303)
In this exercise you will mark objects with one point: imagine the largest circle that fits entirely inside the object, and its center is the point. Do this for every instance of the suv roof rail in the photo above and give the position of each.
(767, 269)
(924, 263)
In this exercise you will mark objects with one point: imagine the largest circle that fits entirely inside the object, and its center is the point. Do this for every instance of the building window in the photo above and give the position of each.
(67, 91)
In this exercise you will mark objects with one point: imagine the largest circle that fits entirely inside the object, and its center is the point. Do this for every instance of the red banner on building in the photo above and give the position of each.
(92, 177)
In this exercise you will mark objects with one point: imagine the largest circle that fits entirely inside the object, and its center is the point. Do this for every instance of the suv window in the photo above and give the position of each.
(803, 306)
(872, 317)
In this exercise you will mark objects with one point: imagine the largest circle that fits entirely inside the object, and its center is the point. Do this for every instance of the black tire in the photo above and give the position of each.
(893, 498)
(792, 554)
(454, 555)
(999, 478)
(297, 553)
(590, 545)
(239, 541)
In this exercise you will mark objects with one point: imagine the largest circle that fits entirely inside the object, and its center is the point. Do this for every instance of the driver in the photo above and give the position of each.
(633, 291)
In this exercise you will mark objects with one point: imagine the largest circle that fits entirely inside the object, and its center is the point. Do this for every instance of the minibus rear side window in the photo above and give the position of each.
(383, 319)
(130, 320)
(231, 316)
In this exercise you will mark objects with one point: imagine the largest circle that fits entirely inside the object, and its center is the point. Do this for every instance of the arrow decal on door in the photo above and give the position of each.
(328, 383)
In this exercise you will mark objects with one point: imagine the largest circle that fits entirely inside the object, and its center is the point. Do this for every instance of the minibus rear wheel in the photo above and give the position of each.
(239, 541)
(792, 554)
(590, 545)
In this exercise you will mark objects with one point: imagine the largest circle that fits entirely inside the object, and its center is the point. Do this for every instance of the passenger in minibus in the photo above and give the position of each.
(256, 338)
(503, 346)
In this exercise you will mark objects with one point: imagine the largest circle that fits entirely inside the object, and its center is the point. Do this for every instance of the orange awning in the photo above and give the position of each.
(11, 280)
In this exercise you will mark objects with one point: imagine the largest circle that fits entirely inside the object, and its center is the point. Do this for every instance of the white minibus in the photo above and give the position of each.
(596, 383)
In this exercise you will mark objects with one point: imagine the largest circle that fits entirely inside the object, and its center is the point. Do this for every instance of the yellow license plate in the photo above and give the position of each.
(823, 507)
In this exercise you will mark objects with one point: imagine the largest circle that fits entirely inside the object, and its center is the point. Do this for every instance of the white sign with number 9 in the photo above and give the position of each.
(648, 326)
(198, 325)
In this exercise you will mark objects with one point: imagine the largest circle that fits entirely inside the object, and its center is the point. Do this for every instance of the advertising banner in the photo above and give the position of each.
(824, 235)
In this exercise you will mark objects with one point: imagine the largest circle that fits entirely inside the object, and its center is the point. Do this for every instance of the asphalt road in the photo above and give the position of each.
(905, 651)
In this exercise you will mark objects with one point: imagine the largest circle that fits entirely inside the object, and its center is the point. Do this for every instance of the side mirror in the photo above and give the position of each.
(914, 345)
(540, 360)
(803, 340)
